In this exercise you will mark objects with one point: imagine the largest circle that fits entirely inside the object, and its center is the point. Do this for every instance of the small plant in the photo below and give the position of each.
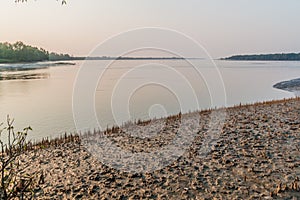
(14, 184)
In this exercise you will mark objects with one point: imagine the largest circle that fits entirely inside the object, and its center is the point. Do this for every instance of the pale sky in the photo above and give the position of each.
(223, 27)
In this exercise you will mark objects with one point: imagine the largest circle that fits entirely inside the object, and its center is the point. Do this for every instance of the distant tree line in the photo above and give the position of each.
(20, 52)
(55, 56)
(266, 57)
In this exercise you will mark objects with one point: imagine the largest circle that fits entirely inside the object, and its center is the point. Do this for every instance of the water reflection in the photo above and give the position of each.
(23, 76)
(32, 66)
(28, 71)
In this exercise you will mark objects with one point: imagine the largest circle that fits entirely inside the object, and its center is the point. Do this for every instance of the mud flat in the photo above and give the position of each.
(255, 155)
(290, 85)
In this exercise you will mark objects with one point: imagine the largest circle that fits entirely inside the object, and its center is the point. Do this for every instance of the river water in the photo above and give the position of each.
(46, 96)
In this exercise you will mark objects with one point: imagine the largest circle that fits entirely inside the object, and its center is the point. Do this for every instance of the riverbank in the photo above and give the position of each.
(266, 57)
(290, 85)
(8, 61)
(57, 62)
(256, 155)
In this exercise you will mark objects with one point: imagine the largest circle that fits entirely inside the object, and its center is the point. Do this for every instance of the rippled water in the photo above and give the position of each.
(41, 95)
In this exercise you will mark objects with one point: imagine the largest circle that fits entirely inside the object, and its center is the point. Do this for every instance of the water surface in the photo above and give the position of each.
(41, 96)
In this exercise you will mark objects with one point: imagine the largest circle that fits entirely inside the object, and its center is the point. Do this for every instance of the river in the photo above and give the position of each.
(42, 95)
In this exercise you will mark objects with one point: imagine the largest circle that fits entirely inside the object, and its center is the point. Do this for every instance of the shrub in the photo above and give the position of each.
(14, 183)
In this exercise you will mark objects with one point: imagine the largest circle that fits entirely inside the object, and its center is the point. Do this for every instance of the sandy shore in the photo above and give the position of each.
(256, 155)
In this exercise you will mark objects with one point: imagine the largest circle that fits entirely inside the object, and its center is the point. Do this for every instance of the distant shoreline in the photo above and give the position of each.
(265, 57)
(6, 61)
(137, 58)
(23, 62)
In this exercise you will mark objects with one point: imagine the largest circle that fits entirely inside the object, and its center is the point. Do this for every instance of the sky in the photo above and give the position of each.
(223, 27)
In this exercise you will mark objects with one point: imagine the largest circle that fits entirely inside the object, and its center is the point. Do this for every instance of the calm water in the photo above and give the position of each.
(41, 95)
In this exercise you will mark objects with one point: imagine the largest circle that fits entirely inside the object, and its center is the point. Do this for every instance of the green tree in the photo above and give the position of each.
(19, 52)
